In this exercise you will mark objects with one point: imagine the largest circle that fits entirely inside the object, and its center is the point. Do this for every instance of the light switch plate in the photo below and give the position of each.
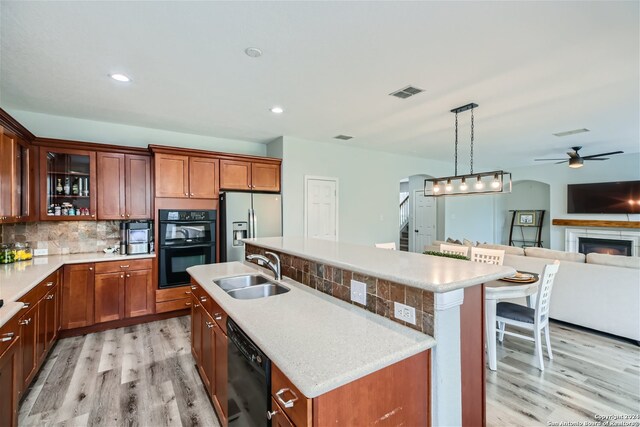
(40, 252)
(359, 292)
(404, 312)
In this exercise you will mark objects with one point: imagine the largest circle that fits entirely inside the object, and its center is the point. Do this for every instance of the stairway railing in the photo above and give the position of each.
(404, 212)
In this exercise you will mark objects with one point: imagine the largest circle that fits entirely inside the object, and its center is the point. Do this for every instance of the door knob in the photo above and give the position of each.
(416, 231)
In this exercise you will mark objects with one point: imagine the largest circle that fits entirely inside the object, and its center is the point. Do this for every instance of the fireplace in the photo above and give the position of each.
(616, 242)
(604, 246)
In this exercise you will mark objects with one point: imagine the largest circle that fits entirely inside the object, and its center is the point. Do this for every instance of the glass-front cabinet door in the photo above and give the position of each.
(67, 185)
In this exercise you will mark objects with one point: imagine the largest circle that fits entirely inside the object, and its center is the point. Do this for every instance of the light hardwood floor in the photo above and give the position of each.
(140, 375)
(591, 374)
(144, 375)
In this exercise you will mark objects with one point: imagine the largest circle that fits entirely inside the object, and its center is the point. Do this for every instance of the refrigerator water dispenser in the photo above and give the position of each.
(239, 232)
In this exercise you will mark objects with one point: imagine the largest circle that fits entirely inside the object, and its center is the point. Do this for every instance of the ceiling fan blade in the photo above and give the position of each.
(599, 158)
(542, 160)
(603, 154)
(564, 161)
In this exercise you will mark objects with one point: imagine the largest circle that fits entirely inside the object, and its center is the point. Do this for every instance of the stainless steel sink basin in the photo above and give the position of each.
(258, 291)
(251, 286)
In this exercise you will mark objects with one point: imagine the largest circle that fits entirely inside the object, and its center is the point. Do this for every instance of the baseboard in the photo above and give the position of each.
(66, 333)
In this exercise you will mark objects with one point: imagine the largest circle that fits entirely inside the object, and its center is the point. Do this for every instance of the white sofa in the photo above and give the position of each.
(600, 292)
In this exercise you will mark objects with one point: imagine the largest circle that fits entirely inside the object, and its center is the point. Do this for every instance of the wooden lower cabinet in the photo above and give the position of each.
(10, 382)
(196, 330)
(220, 394)
(78, 296)
(208, 355)
(278, 417)
(173, 299)
(138, 293)
(29, 333)
(109, 297)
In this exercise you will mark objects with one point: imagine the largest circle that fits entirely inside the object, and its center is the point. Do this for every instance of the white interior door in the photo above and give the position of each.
(424, 221)
(321, 208)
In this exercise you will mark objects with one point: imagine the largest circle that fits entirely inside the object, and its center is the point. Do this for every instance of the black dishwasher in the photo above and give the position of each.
(249, 380)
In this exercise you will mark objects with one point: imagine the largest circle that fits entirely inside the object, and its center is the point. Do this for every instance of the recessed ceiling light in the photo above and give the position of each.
(277, 110)
(253, 52)
(120, 77)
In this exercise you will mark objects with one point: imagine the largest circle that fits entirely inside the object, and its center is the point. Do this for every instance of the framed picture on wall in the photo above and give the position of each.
(526, 218)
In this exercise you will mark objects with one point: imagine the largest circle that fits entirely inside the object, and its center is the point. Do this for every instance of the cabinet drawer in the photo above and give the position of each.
(284, 392)
(219, 316)
(124, 265)
(163, 295)
(9, 332)
(173, 305)
(34, 295)
(279, 419)
(202, 297)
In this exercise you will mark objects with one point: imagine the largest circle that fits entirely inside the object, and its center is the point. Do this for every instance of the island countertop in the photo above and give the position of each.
(431, 273)
(319, 342)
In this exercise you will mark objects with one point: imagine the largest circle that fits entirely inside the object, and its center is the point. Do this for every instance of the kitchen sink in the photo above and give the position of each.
(251, 286)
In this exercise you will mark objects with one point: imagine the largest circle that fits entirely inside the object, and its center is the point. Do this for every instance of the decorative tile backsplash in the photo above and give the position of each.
(381, 294)
(61, 237)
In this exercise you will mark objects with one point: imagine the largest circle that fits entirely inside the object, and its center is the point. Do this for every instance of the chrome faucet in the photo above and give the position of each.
(272, 265)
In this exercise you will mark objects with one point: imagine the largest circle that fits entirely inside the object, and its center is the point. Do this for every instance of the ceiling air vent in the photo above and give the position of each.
(571, 132)
(406, 92)
(343, 137)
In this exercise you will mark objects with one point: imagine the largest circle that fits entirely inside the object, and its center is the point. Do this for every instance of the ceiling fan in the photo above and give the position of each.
(576, 160)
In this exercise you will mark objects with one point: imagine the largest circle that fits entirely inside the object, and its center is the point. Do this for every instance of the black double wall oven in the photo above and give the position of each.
(187, 238)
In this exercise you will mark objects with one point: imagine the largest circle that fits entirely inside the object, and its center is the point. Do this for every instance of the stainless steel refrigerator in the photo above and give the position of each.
(245, 215)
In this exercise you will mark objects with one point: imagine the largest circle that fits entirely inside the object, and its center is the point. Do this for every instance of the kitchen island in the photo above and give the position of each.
(321, 341)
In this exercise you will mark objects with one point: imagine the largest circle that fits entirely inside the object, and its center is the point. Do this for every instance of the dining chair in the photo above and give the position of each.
(454, 249)
(533, 319)
(487, 256)
(390, 245)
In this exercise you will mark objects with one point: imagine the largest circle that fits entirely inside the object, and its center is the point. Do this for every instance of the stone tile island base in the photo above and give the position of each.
(381, 294)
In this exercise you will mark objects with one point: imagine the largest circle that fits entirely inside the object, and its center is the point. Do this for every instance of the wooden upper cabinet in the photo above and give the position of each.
(124, 186)
(245, 175)
(265, 177)
(171, 175)
(7, 174)
(111, 183)
(235, 175)
(137, 186)
(17, 179)
(203, 178)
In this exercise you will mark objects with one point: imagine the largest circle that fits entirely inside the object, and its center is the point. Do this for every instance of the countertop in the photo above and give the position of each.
(431, 273)
(18, 278)
(319, 342)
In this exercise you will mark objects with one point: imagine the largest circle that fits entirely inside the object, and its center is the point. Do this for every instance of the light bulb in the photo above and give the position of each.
(479, 184)
(436, 188)
(448, 187)
(463, 185)
(496, 182)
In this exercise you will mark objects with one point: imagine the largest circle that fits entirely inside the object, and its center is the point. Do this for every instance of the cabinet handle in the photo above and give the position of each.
(203, 299)
(289, 403)
(5, 339)
(187, 292)
(249, 185)
(128, 215)
(124, 266)
(186, 194)
(128, 275)
(90, 268)
(209, 324)
(122, 215)
(192, 194)
(25, 322)
(194, 287)
(187, 303)
(26, 305)
(271, 414)
(50, 284)
(195, 305)
(217, 316)
(93, 216)
(122, 276)
(49, 297)
(9, 335)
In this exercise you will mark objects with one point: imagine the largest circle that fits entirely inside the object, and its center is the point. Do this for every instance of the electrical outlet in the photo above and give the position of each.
(40, 252)
(404, 312)
(359, 292)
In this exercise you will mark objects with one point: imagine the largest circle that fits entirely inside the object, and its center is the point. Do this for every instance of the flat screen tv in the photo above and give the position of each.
(604, 198)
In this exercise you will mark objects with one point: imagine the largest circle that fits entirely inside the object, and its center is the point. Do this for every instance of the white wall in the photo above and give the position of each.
(526, 195)
(476, 217)
(368, 186)
(49, 126)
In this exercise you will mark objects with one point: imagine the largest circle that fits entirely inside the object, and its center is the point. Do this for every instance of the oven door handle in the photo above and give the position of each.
(203, 245)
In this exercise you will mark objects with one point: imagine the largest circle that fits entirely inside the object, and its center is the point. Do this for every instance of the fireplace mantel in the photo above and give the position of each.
(596, 223)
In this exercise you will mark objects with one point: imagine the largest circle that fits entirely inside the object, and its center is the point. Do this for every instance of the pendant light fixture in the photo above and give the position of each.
(473, 183)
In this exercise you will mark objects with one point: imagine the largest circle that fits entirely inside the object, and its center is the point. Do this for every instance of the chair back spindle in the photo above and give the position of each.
(487, 256)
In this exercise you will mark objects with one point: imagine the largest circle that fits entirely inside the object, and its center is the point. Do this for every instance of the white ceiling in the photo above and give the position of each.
(535, 68)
